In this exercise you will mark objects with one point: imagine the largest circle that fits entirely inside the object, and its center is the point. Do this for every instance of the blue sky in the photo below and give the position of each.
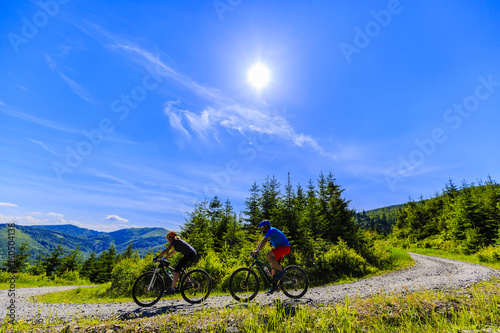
(118, 114)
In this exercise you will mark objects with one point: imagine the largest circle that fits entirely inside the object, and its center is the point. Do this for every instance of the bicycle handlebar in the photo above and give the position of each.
(163, 260)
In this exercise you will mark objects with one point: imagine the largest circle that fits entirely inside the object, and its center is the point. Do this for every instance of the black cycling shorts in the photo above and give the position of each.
(185, 262)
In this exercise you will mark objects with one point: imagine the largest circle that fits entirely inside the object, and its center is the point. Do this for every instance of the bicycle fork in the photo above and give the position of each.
(152, 280)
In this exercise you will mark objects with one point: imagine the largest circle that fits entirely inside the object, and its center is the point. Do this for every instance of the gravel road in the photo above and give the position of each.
(428, 273)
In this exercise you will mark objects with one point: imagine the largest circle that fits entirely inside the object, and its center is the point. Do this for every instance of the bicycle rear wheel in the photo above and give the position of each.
(295, 282)
(196, 286)
(244, 284)
(148, 289)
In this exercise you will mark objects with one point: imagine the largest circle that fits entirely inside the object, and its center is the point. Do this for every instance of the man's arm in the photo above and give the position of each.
(261, 245)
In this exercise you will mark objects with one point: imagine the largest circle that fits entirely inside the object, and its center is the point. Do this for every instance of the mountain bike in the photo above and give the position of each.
(194, 286)
(244, 282)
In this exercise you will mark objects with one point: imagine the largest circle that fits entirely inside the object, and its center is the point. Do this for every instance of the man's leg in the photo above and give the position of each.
(274, 262)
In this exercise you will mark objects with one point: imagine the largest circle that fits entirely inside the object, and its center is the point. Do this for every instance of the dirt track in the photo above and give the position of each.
(428, 273)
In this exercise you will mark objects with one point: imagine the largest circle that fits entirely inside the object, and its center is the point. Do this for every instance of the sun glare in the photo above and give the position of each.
(258, 76)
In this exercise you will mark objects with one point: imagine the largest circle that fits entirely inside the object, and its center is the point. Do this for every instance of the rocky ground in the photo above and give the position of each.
(428, 273)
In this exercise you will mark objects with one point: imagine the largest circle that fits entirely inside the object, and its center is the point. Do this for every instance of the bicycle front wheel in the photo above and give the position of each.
(244, 284)
(148, 289)
(196, 286)
(295, 282)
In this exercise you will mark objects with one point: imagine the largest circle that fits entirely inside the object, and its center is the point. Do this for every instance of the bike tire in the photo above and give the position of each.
(140, 293)
(200, 290)
(244, 284)
(295, 282)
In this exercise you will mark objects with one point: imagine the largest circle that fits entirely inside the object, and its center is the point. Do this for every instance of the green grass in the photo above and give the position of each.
(82, 295)
(25, 280)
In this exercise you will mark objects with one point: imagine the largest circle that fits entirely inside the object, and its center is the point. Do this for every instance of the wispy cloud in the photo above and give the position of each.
(43, 122)
(75, 87)
(44, 146)
(224, 112)
(115, 218)
(235, 117)
(7, 204)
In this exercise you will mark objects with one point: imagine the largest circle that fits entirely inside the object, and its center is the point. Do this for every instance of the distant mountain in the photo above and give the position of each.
(43, 239)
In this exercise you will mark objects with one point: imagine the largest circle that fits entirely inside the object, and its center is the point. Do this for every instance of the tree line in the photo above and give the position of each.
(462, 219)
(97, 269)
(325, 239)
(316, 219)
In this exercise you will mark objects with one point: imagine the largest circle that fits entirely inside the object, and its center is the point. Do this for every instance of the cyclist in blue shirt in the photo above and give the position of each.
(281, 247)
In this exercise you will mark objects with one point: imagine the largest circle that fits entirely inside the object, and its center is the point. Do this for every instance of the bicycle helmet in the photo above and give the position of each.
(171, 234)
(263, 223)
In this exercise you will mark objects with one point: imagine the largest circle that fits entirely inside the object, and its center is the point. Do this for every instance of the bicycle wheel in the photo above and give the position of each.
(196, 286)
(244, 284)
(147, 290)
(295, 282)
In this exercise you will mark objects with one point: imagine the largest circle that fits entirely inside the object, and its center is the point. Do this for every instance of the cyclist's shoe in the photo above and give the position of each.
(279, 275)
(272, 290)
(170, 292)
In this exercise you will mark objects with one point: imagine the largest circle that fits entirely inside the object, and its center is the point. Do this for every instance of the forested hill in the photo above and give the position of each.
(380, 219)
(43, 239)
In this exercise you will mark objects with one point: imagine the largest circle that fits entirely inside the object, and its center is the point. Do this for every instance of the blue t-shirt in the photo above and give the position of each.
(277, 237)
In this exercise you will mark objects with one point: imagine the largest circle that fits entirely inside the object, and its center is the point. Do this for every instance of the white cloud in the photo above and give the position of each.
(241, 119)
(115, 218)
(6, 204)
(49, 219)
(228, 114)
(55, 215)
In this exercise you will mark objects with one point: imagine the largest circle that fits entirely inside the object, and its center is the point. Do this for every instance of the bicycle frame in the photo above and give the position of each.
(260, 265)
(165, 272)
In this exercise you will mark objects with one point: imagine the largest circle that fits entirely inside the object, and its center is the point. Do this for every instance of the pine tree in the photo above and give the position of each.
(53, 261)
(105, 264)
(270, 199)
(89, 268)
(253, 212)
(20, 262)
(71, 262)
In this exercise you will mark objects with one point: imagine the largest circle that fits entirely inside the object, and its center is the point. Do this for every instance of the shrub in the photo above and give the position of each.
(491, 254)
(218, 269)
(339, 261)
(126, 272)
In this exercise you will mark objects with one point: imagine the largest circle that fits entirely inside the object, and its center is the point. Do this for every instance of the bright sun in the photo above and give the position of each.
(258, 76)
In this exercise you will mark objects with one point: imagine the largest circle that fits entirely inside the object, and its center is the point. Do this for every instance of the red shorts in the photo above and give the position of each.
(280, 252)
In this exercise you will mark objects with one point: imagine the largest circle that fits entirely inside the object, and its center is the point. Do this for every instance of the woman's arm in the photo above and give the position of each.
(166, 252)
